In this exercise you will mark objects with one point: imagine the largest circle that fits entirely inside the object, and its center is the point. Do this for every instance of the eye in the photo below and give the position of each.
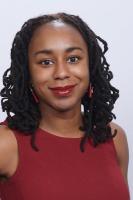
(46, 62)
(73, 59)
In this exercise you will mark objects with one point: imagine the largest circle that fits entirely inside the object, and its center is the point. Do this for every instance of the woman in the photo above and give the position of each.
(57, 65)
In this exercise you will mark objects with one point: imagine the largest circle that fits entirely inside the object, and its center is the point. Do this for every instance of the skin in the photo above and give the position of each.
(57, 111)
(67, 64)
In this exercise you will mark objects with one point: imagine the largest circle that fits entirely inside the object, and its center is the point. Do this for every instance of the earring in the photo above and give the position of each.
(90, 92)
(34, 95)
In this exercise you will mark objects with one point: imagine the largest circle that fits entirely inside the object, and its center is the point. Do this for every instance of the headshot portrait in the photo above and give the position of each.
(63, 130)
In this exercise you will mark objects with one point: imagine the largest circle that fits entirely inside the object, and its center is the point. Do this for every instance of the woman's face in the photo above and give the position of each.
(58, 57)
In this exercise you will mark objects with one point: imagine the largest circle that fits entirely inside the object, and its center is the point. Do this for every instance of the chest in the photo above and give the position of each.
(62, 171)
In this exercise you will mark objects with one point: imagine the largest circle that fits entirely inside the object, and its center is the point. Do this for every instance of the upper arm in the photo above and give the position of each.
(7, 149)
(121, 146)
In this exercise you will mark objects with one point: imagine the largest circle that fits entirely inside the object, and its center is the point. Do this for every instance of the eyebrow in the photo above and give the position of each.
(49, 51)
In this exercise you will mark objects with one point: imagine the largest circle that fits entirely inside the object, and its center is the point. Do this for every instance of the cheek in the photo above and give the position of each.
(85, 70)
(82, 72)
(38, 76)
(84, 75)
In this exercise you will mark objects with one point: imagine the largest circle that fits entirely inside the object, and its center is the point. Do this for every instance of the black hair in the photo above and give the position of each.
(23, 111)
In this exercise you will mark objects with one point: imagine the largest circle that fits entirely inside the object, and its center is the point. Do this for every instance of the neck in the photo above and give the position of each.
(62, 123)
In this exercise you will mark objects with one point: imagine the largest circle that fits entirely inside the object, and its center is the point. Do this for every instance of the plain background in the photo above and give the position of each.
(112, 20)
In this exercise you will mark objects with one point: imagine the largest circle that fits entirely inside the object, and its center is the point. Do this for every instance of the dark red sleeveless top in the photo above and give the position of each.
(61, 171)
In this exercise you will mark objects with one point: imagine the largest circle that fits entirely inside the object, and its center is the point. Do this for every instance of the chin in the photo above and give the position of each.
(63, 109)
(67, 108)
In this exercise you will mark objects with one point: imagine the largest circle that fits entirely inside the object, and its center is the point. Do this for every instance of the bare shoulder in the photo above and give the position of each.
(120, 138)
(121, 146)
(8, 149)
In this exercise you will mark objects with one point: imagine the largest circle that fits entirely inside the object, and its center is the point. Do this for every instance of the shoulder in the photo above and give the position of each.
(8, 150)
(121, 146)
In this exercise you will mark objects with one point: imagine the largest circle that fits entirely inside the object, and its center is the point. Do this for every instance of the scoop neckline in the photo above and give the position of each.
(57, 136)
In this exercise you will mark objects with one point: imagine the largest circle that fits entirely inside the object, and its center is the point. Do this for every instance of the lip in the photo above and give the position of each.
(64, 88)
(63, 91)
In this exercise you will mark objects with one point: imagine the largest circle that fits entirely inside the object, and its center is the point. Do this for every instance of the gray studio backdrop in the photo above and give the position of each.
(112, 20)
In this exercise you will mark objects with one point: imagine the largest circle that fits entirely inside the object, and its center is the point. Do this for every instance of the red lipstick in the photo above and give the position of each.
(63, 91)
(63, 88)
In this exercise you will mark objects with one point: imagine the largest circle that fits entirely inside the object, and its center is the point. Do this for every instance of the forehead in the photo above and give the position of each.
(57, 32)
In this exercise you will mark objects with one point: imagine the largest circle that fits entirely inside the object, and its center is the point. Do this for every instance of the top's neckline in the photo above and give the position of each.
(57, 136)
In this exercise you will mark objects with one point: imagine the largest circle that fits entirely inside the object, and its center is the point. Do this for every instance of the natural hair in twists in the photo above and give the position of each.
(17, 100)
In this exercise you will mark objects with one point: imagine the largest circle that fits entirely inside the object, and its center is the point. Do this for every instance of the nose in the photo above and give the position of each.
(61, 71)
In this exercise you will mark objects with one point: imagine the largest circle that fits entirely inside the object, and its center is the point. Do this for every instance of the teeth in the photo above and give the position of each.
(64, 92)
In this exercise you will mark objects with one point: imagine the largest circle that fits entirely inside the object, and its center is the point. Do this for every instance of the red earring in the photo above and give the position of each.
(34, 96)
(90, 92)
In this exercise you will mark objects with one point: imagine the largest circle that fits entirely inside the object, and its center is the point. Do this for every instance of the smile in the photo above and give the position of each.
(63, 91)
